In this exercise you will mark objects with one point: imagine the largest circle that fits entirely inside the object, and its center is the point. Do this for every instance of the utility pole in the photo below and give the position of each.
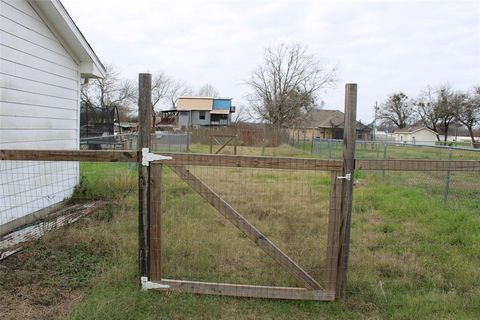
(375, 122)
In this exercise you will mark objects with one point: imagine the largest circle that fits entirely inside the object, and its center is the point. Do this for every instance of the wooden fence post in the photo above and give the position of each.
(144, 141)
(349, 136)
(155, 223)
(235, 144)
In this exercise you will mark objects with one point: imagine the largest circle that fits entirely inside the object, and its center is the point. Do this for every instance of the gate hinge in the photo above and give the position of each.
(147, 285)
(348, 177)
(148, 157)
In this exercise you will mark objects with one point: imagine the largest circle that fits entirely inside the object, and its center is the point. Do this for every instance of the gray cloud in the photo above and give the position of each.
(383, 46)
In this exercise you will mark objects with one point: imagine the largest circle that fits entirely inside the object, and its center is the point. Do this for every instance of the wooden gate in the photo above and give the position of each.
(311, 289)
(150, 217)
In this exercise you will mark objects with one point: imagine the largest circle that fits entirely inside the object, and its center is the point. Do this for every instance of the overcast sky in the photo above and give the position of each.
(384, 46)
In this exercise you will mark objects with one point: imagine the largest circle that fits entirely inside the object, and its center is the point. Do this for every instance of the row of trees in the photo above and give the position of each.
(437, 108)
(114, 92)
(285, 87)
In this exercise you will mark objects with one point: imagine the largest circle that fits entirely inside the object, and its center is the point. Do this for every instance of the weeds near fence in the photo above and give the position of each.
(105, 181)
(412, 256)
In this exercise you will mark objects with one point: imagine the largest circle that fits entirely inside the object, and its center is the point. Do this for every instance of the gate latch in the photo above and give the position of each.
(348, 177)
(148, 157)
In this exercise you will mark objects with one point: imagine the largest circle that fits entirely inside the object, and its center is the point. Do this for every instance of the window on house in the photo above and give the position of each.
(201, 115)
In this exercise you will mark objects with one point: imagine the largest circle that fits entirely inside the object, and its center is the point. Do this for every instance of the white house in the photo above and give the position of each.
(416, 135)
(44, 58)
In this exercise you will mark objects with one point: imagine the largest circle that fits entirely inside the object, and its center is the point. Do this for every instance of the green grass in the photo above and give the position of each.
(365, 150)
(105, 181)
(412, 255)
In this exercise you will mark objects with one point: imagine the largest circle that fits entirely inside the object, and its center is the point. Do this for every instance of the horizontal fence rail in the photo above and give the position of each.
(252, 161)
(238, 290)
(242, 161)
(418, 165)
(69, 155)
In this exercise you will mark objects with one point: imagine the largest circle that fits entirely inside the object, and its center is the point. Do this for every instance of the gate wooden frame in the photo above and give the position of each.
(312, 289)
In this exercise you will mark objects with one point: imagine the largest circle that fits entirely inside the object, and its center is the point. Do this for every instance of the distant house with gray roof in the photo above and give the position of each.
(416, 135)
(327, 124)
(198, 112)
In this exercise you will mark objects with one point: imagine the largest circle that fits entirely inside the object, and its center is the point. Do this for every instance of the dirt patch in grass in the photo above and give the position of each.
(34, 303)
(46, 279)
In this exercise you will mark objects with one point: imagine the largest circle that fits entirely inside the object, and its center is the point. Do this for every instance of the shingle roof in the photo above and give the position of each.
(412, 129)
(324, 118)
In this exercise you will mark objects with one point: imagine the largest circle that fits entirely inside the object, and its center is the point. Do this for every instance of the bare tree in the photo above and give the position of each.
(397, 110)
(110, 92)
(438, 108)
(241, 115)
(286, 84)
(469, 112)
(177, 89)
(208, 90)
(161, 85)
(448, 104)
(427, 110)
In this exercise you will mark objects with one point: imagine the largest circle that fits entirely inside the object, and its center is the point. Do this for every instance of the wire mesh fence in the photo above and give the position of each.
(442, 185)
(38, 196)
(290, 207)
(400, 223)
(332, 149)
(162, 141)
(407, 243)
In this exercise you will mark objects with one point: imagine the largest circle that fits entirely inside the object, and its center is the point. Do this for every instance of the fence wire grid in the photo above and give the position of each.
(39, 196)
(290, 207)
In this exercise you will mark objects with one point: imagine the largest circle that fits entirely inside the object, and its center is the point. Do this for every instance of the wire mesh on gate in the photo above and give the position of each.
(290, 207)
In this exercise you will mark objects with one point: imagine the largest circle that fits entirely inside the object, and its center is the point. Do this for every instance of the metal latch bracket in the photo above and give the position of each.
(348, 177)
(148, 157)
(147, 285)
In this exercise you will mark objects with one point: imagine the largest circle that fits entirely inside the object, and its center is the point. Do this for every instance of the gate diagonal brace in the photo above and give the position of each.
(148, 157)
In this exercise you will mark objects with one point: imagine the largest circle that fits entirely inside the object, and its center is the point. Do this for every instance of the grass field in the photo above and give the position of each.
(412, 255)
(368, 150)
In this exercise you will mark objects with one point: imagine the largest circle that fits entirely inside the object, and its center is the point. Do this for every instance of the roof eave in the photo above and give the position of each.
(65, 28)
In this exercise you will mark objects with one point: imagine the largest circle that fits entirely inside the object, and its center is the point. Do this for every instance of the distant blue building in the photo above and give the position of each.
(199, 111)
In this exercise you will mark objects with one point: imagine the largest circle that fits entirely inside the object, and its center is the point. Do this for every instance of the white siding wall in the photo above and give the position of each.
(423, 136)
(39, 109)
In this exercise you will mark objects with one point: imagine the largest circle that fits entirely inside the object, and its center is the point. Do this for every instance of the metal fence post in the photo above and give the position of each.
(447, 178)
(264, 139)
(304, 140)
(298, 138)
(329, 149)
(384, 158)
